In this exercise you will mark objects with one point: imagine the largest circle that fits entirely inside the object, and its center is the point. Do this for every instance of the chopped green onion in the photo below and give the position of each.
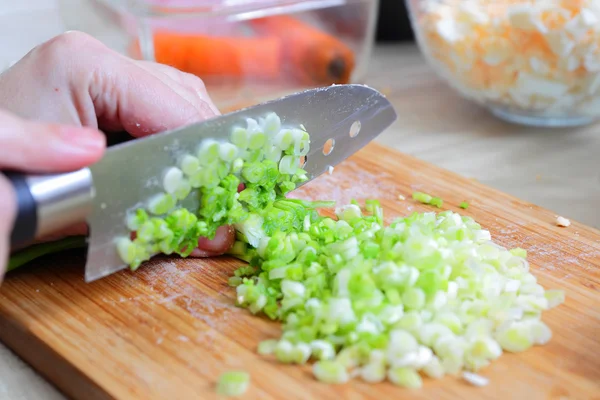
(436, 201)
(427, 199)
(519, 252)
(208, 152)
(136, 219)
(172, 179)
(464, 205)
(288, 165)
(422, 197)
(284, 139)
(330, 372)
(126, 250)
(227, 152)
(301, 142)
(554, 297)
(161, 203)
(272, 124)
(405, 377)
(189, 164)
(474, 379)
(183, 189)
(428, 292)
(257, 138)
(233, 383)
(267, 347)
(240, 138)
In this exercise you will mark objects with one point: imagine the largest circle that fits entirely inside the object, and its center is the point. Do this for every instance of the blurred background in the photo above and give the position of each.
(24, 24)
(393, 24)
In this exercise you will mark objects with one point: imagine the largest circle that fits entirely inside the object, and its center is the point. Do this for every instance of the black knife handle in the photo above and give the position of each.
(48, 203)
(25, 225)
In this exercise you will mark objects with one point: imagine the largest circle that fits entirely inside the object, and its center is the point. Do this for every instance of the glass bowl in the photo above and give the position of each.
(245, 51)
(532, 62)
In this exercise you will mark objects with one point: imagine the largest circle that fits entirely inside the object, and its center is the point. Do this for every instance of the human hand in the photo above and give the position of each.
(73, 86)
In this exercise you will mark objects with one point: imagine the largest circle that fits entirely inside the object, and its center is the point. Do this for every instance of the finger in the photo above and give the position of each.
(7, 216)
(33, 147)
(187, 85)
(224, 239)
(143, 100)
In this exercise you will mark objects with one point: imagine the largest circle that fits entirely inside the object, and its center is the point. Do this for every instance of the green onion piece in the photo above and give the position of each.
(373, 372)
(136, 219)
(519, 252)
(228, 152)
(257, 138)
(437, 202)
(405, 377)
(161, 203)
(555, 297)
(464, 205)
(183, 189)
(189, 164)
(288, 165)
(301, 142)
(422, 197)
(126, 249)
(172, 179)
(272, 124)
(240, 138)
(434, 368)
(273, 154)
(330, 372)
(208, 152)
(267, 347)
(233, 383)
(284, 139)
(516, 338)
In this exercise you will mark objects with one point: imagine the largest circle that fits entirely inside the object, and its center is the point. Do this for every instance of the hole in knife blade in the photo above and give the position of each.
(328, 147)
(355, 129)
(302, 161)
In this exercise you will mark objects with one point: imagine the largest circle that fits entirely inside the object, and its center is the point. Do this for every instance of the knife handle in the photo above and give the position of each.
(49, 203)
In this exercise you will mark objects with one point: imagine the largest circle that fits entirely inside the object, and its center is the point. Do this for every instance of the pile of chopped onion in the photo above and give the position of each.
(428, 295)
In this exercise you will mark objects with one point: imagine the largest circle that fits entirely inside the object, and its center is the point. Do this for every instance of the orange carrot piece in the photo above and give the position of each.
(211, 56)
(311, 54)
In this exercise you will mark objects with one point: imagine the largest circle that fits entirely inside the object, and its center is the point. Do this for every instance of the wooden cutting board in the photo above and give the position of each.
(169, 330)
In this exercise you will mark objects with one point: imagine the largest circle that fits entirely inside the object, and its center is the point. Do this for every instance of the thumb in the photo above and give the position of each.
(35, 147)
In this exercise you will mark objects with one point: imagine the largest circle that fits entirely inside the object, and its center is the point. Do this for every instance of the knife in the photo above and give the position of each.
(101, 195)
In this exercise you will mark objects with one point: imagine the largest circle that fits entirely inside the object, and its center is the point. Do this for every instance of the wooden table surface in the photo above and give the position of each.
(558, 169)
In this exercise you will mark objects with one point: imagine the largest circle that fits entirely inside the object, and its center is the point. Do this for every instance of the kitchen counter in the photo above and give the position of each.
(554, 168)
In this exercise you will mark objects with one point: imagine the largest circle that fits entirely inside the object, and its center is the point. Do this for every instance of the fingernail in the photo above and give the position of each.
(79, 137)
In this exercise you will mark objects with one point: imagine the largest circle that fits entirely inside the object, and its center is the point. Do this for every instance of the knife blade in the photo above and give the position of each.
(350, 116)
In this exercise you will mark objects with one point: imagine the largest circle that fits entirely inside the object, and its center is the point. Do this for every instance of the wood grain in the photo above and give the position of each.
(170, 329)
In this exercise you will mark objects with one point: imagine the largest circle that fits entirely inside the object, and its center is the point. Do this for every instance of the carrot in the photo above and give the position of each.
(310, 54)
(211, 56)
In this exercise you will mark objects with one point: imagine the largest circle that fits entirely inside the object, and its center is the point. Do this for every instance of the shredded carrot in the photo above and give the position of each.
(212, 56)
(311, 55)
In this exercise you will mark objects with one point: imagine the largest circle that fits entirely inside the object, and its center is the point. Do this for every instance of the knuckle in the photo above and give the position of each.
(66, 43)
(196, 81)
